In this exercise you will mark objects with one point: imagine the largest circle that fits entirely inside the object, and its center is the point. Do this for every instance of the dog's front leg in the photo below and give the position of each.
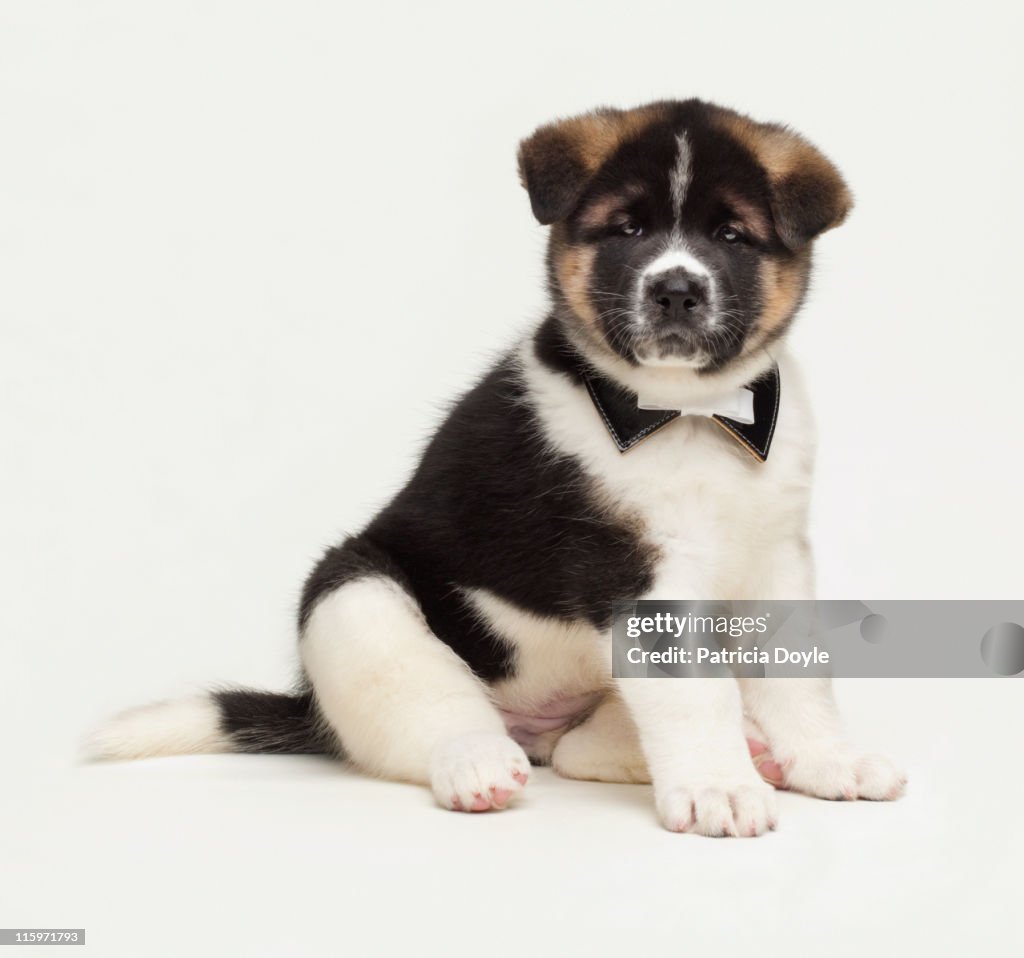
(798, 716)
(691, 734)
(691, 731)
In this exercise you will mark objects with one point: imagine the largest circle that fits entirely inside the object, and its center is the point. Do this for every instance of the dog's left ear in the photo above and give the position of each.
(809, 194)
(559, 159)
(809, 197)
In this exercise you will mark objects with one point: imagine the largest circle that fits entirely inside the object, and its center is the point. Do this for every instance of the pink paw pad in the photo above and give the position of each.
(756, 748)
(764, 762)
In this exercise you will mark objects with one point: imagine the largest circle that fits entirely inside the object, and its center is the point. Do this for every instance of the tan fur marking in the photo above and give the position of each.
(777, 149)
(597, 213)
(781, 285)
(751, 217)
(573, 265)
(599, 210)
(596, 136)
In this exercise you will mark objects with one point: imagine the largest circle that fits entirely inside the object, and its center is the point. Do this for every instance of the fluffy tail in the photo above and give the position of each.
(228, 720)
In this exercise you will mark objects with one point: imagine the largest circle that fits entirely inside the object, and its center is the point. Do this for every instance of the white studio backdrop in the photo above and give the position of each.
(251, 250)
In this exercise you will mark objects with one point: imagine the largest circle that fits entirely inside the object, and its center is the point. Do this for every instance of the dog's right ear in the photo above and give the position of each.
(558, 160)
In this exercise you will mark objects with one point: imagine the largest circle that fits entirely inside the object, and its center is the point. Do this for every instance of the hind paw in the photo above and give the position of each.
(845, 775)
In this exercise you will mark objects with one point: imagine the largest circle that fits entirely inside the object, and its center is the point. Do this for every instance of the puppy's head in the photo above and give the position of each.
(681, 231)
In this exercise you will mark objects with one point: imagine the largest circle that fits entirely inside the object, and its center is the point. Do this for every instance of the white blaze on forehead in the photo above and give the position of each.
(679, 178)
(676, 254)
(673, 257)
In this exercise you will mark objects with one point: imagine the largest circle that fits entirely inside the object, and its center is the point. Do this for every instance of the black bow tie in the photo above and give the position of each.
(629, 424)
(619, 407)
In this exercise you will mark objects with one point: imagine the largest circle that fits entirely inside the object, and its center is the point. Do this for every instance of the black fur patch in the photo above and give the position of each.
(273, 722)
(492, 507)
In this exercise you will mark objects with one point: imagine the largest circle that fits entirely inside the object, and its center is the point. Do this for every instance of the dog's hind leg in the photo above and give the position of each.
(402, 704)
(604, 748)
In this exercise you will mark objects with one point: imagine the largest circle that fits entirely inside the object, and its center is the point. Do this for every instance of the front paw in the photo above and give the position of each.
(478, 772)
(742, 808)
(843, 774)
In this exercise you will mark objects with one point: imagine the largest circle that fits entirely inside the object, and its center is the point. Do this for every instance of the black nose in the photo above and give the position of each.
(678, 295)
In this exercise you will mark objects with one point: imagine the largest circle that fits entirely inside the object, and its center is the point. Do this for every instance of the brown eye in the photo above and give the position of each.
(728, 234)
(630, 228)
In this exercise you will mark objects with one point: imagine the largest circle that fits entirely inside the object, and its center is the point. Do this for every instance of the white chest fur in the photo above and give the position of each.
(706, 504)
